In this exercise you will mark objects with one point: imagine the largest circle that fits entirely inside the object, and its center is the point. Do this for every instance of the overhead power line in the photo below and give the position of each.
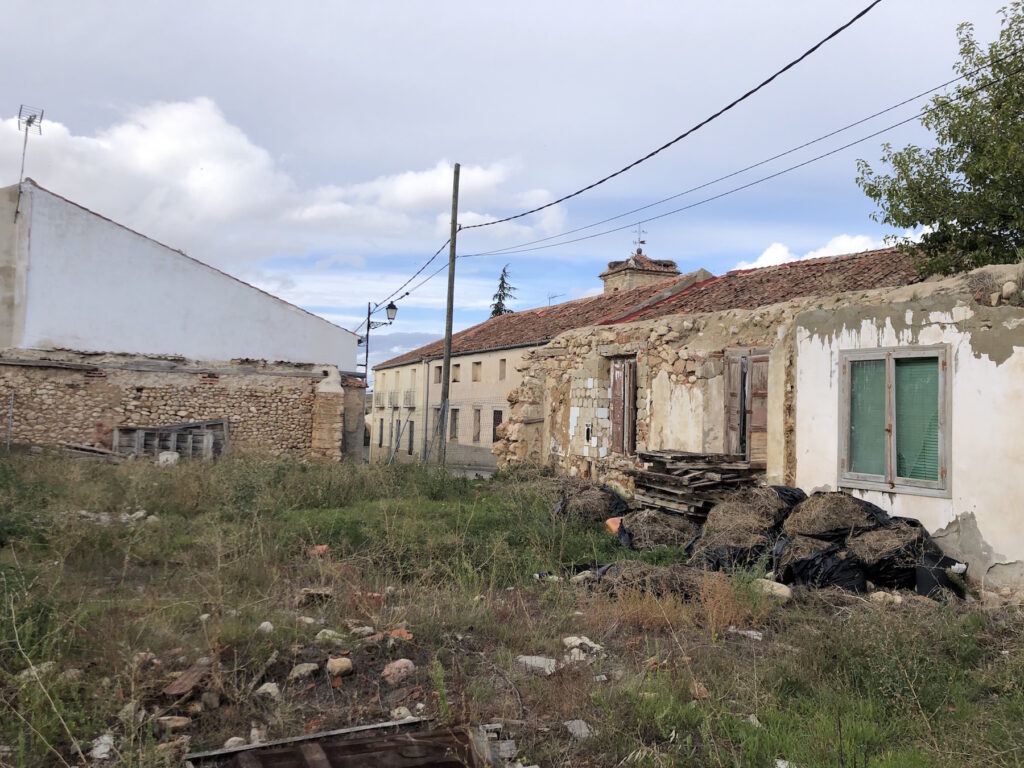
(752, 166)
(761, 180)
(694, 129)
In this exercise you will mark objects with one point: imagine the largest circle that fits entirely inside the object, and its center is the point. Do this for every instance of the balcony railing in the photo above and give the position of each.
(378, 399)
(393, 399)
(409, 398)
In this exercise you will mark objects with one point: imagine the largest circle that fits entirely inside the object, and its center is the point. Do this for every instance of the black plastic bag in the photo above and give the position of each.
(819, 564)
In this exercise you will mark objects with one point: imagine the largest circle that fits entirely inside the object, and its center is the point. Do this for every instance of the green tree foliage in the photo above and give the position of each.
(967, 192)
(502, 296)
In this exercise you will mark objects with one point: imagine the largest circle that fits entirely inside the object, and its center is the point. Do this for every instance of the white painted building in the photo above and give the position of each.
(72, 279)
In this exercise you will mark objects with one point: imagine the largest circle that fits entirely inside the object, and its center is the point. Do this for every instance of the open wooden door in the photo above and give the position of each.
(757, 409)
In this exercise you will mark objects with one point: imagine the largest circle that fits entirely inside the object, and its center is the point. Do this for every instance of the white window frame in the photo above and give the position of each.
(890, 482)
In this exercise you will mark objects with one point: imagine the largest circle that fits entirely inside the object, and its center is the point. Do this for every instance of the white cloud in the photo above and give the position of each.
(780, 253)
(184, 174)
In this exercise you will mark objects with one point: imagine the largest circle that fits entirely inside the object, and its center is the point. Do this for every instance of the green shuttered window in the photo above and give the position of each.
(867, 417)
(893, 410)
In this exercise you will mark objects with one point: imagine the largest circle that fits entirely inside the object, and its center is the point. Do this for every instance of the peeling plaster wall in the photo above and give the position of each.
(981, 521)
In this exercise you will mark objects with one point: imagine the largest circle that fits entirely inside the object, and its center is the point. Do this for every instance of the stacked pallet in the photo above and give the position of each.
(689, 483)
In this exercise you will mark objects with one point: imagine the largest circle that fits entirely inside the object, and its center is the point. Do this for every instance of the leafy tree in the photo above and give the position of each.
(504, 293)
(966, 193)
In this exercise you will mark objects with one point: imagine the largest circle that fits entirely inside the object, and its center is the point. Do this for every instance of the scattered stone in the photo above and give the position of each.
(153, 519)
(994, 298)
(885, 598)
(400, 713)
(71, 675)
(131, 712)
(699, 690)
(302, 671)
(309, 621)
(318, 550)
(100, 518)
(538, 665)
(579, 729)
(234, 742)
(270, 690)
(600, 678)
(165, 458)
(210, 700)
(315, 596)
(143, 659)
(583, 577)
(265, 628)
(171, 723)
(752, 719)
(397, 671)
(1009, 289)
(338, 666)
(774, 589)
(41, 670)
(750, 634)
(329, 638)
(203, 618)
(582, 642)
(257, 733)
(102, 747)
(363, 631)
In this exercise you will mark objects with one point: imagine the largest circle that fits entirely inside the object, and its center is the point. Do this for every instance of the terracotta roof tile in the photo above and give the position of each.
(739, 289)
(536, 326)
(750, 288)
(639, 261)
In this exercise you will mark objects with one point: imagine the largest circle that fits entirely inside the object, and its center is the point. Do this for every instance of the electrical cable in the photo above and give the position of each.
(761, 180)
(837, 131)
(690, 131)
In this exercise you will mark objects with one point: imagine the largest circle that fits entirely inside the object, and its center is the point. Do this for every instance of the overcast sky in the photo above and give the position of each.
(307, 147)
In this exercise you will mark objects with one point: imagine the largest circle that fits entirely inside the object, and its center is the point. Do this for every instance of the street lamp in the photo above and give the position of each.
(391, 310)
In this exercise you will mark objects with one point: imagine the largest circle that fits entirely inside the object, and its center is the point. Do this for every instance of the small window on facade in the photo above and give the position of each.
(501, 369)
(494, 427)
(893, 420)
(456, 372)
(476, 424)
(412, 430)
(476, 371)
(412, 378)
(437, 374)
(380, 435)
(453, 433)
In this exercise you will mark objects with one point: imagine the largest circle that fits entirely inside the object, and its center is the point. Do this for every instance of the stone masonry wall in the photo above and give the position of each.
(281, 409)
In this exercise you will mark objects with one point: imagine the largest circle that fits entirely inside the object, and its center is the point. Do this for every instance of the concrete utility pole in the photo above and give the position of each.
(447, 367)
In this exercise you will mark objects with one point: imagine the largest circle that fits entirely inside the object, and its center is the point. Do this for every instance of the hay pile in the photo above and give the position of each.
(900, 541)
(582, 500)
(659, 580)
(831, 516)
(741, 530)
(799, 549)
(649, 529)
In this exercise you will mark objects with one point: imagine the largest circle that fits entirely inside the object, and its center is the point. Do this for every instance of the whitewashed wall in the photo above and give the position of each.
(983, 520)
(93, 285)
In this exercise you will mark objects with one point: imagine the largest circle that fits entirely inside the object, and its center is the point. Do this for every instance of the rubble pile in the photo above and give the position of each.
(827, 539)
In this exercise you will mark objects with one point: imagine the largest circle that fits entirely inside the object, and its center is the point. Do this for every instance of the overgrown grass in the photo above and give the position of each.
(122, 608)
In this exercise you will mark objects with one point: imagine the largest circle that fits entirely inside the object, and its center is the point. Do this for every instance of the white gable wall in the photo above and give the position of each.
(93, 285)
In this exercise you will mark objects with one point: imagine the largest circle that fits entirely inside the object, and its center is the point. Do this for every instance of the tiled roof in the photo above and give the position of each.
(639, 261)
(536, 326)
(750, 288)
(739, 289)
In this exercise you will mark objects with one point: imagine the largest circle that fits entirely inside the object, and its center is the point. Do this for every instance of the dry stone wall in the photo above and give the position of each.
(278, 408)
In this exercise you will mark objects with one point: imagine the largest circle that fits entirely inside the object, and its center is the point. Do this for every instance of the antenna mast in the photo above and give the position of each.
(30, 120)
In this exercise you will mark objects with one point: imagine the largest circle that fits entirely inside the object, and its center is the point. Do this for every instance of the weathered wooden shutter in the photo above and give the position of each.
(617, 405)
(757, 409)
(734, 404)
(629, 407)
(496, 422)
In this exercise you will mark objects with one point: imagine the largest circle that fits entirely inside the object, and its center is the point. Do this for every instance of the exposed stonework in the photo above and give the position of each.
(63, 397)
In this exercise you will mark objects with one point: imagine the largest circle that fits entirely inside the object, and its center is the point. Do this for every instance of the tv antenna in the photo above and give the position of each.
(552, 296)
(30, 120)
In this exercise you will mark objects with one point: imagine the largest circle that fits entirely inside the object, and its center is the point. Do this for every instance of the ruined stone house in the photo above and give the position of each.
(485, 363)
(108, 335)
(840, 372)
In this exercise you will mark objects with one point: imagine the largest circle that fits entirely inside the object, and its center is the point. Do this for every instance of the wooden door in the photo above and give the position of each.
(735, 411)
(757, 409)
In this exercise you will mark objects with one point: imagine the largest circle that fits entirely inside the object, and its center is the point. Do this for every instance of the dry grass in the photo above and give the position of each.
(828, 515)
